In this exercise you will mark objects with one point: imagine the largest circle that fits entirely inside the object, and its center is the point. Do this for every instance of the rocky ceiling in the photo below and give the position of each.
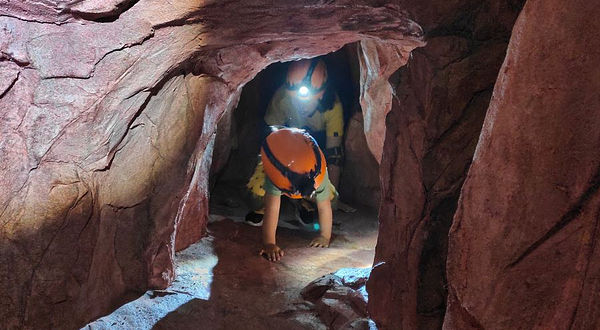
(108, 118)
(109, 115)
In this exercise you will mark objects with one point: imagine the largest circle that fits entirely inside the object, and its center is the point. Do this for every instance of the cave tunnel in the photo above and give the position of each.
(128, 130)
(237, 142)
(236, 147)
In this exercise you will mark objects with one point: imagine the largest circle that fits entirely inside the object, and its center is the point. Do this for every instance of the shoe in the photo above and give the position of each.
(254, 219)
(306, 217)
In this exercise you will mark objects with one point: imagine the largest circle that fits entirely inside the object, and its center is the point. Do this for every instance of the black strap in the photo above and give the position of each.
(337, 161)
(308, 77)
(335, 151)
(307, 80)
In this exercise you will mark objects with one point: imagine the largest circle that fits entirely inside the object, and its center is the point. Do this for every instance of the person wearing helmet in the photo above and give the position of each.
(308, 101)
(305, 101)
(295, 167)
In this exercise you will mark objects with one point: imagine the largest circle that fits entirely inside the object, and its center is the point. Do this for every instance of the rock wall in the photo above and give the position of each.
(108, 115)
(359, 182)
(437, 109)
(524, 243)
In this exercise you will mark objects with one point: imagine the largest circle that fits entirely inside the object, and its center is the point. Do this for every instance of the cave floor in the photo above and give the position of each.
(222, 283)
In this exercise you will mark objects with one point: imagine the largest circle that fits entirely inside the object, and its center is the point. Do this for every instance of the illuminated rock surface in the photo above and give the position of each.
(108, 115)
(108, 111)
(222, 283)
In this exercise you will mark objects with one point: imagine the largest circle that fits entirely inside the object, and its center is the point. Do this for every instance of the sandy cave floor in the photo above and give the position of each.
(222, 283)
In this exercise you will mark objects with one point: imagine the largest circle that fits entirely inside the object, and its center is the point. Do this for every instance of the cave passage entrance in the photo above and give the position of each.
(238, 142)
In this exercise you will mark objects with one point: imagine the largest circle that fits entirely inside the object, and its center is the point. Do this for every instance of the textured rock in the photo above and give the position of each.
(360, 178)
(62, 11)
(377, 63)
(335, 313)
(317, 288)
(9, 73)
(222, 283)
(360, 324)
(109, 111)
(441, 97)
(533, 186)
(354, 277)
(340, 298)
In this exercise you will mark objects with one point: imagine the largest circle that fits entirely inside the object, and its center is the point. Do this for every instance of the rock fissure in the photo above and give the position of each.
(565, 220)
(455, 126)
(453, 162)
(15, 195)
(117, 208)
(89, 217)
(34, 20)
(152, 92)
(125, 46)
(588, 258)
(10, 86)
(4, 57)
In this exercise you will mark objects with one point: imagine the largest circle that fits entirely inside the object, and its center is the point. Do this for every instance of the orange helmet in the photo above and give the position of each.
(307, 78)
(293, 161)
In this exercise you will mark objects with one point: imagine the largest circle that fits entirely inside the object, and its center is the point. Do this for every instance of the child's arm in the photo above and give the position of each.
(325, 223)
(269, 228)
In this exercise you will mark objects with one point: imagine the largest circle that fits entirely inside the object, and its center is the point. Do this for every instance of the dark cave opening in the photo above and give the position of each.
(239, 134)
(355, 223)
(235, 155)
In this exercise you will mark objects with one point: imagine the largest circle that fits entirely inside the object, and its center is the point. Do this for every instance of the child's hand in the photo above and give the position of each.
(320, 242)
(272, 251)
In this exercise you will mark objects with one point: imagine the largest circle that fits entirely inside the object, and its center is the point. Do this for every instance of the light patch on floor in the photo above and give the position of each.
(194, 269)
(222, 282)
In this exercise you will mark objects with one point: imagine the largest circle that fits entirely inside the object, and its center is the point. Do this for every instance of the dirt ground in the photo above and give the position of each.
(222, 283)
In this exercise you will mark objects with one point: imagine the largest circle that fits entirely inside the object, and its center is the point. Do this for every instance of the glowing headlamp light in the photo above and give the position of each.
(303, 91)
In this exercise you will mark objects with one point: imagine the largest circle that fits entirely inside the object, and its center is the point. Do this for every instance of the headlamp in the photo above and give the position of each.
(303, 91)
(304, 88)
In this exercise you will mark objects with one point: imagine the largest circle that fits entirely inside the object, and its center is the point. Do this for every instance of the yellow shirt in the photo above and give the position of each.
(282, 112)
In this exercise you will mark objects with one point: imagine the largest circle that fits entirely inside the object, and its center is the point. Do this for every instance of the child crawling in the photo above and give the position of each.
(295, 167)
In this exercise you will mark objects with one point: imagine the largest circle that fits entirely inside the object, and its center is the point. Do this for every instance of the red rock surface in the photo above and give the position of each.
(108, 114)
(524, 243)
(377, 63)
(340, 298)
(441, 97)
(222, 283)
(360, 177)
